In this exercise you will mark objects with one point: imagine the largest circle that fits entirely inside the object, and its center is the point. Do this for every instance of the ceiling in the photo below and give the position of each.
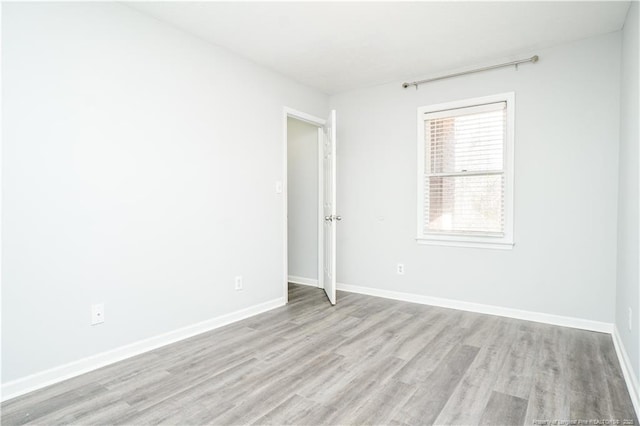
(339, 46)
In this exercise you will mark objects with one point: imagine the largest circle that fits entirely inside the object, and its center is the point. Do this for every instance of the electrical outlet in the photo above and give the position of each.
(238, 283)
(97, 313)
(630, 319)
(400, 269)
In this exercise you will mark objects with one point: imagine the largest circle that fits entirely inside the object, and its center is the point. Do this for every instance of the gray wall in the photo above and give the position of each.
(628, 287)
(139, 170)
(302, 185)
(566, 179)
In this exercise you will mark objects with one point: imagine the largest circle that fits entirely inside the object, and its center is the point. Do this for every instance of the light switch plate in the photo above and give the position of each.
(97, 313)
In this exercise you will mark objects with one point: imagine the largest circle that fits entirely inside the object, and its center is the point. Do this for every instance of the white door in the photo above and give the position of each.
(329, 207)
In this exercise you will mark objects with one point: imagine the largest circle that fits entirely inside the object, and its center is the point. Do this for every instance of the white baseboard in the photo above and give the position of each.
(304, 281)
(563, 321)
(57, 374)
(627, 371)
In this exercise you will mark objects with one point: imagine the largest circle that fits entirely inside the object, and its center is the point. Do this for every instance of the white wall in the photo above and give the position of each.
(139, 167)
(628, 286)
(567, 125)
(302, 185)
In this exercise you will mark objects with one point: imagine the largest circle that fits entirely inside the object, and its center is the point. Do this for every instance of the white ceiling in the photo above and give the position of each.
(338, 46)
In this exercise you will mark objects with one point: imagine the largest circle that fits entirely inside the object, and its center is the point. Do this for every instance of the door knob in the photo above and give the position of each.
(338, 217)
(329, 218)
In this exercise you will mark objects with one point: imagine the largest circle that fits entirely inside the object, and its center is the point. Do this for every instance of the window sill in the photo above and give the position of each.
(464, 242)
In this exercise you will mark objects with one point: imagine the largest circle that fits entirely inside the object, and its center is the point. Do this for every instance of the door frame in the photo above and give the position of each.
(319, 123)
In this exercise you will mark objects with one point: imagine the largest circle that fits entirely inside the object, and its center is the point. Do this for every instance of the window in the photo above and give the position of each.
(465, 173)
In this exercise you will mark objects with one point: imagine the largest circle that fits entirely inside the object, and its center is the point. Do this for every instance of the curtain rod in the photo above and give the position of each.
(532, 59)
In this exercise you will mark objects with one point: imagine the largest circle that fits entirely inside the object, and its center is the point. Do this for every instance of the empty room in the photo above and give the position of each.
(320, 213)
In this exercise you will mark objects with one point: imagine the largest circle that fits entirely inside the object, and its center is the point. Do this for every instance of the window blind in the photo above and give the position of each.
(465, 170)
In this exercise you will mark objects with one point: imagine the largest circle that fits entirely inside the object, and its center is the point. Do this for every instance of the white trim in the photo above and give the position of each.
(465, 108)
(316, 121)
(303, 116)
(303, 281)
(476, 241)
(627, 370)
(584, 324)
(450, 241)
(57, 374)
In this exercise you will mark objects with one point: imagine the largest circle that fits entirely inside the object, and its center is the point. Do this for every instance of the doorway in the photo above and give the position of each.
(302, 202)
(309, 202)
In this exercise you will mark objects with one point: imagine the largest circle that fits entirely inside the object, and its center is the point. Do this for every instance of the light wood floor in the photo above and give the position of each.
(365, 361)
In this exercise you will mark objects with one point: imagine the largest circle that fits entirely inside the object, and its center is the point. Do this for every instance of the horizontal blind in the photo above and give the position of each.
(464, 173)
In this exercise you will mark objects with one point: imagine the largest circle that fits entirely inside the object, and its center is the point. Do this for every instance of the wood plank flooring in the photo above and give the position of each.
(365, 361)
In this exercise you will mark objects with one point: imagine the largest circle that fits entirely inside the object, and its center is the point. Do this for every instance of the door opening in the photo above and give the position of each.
(302, 202)
(309, 202)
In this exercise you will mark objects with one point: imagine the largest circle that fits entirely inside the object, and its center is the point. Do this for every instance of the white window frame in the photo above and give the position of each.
(468, 240)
